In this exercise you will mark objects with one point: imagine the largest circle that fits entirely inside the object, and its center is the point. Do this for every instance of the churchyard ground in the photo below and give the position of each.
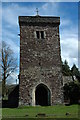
(37, 112)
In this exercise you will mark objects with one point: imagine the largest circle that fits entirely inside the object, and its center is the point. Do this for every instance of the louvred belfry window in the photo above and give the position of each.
(40, 35)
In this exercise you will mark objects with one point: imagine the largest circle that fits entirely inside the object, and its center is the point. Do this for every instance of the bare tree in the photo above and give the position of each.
(8, 65)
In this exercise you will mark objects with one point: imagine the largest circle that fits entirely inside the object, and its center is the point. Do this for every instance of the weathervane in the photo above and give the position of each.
(37, 11)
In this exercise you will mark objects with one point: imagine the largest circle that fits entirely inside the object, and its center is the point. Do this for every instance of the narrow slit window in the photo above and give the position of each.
(42, 34)
(37, 34)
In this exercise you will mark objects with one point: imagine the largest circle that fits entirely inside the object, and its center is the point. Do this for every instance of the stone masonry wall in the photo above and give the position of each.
(40, 62)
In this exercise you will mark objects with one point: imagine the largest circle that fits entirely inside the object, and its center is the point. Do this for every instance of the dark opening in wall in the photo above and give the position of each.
(42, 95)
(37, 34)
(42, 34)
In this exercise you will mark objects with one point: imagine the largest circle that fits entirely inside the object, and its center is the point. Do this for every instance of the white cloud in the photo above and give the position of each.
(65, 22)
(13, 46)
(13, 78)
(11, 13)
(49, 9)
(69, 45)
(11, 39)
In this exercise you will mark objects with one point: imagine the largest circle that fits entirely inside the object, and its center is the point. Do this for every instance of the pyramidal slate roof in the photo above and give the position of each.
(39, 19)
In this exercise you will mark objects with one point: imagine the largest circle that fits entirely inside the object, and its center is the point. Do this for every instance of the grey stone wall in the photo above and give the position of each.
(40, 61)
(67, 79)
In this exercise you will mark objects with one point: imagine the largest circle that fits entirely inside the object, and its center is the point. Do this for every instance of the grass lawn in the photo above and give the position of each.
(57, 111)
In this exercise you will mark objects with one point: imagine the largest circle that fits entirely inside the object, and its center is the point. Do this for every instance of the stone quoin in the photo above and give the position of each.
(40, 61)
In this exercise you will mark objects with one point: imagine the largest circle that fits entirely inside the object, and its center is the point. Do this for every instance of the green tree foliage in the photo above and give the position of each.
(66, 69)
(75, 72)
(72, 92)
(71, 89)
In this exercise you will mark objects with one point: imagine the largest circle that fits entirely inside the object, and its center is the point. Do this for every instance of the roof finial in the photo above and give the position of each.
(37, 11)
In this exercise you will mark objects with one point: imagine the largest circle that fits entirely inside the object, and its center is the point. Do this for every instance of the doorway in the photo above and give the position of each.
(42, 95)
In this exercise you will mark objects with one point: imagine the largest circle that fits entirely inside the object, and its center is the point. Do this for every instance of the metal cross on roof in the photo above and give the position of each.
(37, 11)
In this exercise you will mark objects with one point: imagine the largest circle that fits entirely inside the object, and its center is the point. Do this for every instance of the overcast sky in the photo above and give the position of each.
(68, 13)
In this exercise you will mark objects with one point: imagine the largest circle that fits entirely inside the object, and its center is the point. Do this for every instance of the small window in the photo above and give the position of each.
(42, 34)
(37, 34)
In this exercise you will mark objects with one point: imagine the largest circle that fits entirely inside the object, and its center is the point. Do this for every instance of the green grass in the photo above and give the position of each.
(57, 111)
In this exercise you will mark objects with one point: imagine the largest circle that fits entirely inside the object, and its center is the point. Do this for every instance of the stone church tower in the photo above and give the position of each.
(40, 61)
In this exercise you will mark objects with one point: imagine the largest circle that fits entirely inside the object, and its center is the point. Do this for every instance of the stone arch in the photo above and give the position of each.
(41, 95)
